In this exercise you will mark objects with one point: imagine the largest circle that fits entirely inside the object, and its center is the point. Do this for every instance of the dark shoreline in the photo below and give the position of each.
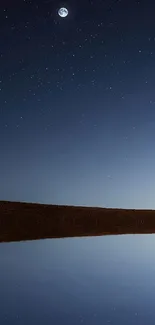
(31, 221)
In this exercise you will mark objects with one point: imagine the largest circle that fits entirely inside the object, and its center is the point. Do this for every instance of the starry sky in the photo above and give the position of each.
(77, 102)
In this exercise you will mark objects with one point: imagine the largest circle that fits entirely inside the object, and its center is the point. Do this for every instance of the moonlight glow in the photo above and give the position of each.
(63, 12)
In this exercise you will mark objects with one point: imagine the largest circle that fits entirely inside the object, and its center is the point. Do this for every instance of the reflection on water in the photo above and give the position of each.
(99, 280)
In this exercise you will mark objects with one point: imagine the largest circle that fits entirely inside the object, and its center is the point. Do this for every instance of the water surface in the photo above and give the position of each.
(98, 280)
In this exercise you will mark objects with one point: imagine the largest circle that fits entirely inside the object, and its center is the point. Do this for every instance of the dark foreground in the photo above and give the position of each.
(27, 221)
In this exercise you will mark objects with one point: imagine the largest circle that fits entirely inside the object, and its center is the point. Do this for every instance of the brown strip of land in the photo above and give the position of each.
(29, 221)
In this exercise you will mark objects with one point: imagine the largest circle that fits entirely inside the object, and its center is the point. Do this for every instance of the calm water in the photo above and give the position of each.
(100, 280)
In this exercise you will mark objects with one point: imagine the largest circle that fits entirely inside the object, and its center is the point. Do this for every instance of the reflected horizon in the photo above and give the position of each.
(78, 280)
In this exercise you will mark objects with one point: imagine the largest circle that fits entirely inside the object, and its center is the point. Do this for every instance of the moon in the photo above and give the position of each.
(63, 12)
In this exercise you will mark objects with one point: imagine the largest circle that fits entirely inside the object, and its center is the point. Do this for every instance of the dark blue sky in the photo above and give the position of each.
(77, 103)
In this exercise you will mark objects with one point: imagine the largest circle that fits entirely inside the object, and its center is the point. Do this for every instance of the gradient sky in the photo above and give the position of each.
(77, 102)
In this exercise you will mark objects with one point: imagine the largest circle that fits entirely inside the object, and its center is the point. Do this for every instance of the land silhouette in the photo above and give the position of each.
(20, 221)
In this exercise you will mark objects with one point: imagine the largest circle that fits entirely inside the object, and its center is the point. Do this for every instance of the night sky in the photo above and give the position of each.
(77, 102)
